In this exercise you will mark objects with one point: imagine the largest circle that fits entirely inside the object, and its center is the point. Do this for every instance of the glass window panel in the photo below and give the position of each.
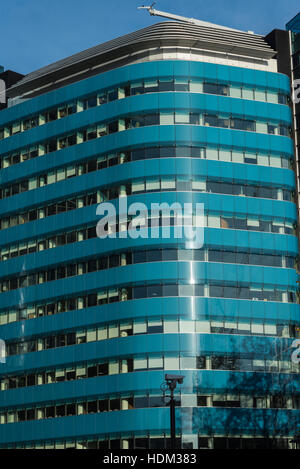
(3, 318)
(189, 400)
(140, 292)
(272, 97)
(250, 158)
(166, 118)
(139, 327)
(238, 157)
(186, 290)
(170, 290)
(170, 326)
(113, 367)
(183, 152)
(247, 93)
(213, 221)
(150, 84)
(202, 326)
(154, 255)
(212, 154)
(216, 291)
(51, 177)
(186, 326)
(171, 363)
(169, 255)
(152, 184)
(244, 326)
(285, 162)
(113, 294)
(12, 315)
(113, 331)
(257, 328)
(71, 171)
(168, 183)
(181, 84)
(260, 95)
(263, 160)
(230, 325)
(137, 88)
(154, 290)
(138, 186)
(140, 363)
(252, 222)
(32, 184)
(182, 117)
(60, 174)
(235, 91)
(275, 161)
(155, 362)
(196, 86)
(242, 258)
(125, 329)
(188, 363)
(199, 185)
(102, 333)
(224, 155)
(261, 127)
(91, 335)
(271, 329)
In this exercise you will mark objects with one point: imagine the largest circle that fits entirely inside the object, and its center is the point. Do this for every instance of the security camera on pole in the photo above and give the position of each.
(170, 384)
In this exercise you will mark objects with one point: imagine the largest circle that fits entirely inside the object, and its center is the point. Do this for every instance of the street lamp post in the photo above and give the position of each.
(170, 383)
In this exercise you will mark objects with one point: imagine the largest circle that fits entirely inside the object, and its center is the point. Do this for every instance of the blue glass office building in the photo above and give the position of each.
(171, 113)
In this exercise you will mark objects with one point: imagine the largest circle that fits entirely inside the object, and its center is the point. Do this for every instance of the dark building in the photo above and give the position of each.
(10, 78)
(294, 36)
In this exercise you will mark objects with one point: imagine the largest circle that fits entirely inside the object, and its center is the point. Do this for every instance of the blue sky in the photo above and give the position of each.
(35, 33)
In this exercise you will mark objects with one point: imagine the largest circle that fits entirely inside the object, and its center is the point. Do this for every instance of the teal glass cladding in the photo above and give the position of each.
(95, 325)
(294, 24)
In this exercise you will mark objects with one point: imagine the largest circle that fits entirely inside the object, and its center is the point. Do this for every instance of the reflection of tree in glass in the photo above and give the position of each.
(256, 401)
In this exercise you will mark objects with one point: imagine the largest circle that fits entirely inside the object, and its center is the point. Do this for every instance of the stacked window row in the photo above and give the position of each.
(146, 86)
(118, 403)
(165, 183)
(144, 120)
(127, 258)
(113, 159)
(113, 295)
(65, 205)
(150, 362)
(200, 184)
(159, 440)
(35, 245)
(149, 220)
(170, 325)
(145, 220)
(82, 234)
(82, 408)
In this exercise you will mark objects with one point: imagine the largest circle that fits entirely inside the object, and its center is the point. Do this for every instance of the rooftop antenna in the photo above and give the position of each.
(183, 19)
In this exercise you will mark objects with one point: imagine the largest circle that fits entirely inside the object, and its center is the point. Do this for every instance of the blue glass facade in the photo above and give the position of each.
(294, 24)
(83, 370)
